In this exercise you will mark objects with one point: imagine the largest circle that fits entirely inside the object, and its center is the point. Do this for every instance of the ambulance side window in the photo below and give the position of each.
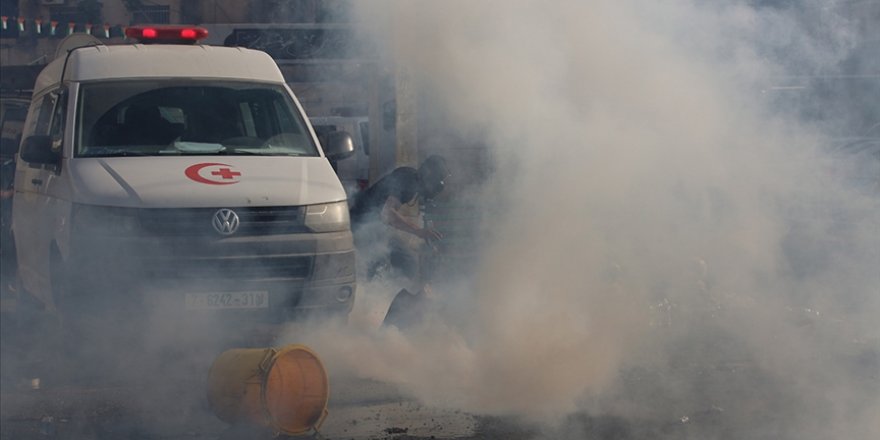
(57, 125)
(45, 114)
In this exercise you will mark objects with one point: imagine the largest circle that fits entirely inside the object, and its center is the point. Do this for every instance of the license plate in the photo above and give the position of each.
(227, 300)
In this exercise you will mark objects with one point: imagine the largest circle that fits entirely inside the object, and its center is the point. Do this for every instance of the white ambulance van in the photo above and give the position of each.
(178, 174)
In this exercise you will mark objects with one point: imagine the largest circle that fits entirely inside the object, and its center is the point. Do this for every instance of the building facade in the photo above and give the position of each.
(31, 29)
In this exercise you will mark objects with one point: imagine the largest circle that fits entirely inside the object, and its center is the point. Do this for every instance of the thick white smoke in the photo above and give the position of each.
(649, 211)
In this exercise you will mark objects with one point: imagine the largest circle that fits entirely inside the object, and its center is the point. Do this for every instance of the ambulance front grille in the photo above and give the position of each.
(199, 221)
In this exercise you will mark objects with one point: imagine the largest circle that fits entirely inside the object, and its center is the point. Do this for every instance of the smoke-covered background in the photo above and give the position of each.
(669, 229)
(679, 230)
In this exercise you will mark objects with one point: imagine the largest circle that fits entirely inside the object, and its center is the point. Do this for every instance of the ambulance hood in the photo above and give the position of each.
(204, 181)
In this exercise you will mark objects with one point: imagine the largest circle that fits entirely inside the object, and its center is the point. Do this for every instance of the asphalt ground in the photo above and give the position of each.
(117, 390)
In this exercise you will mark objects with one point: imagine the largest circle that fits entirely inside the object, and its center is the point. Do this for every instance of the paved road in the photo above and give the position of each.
(135, 394)
(360, 409)
(171, 404)
(123, 392)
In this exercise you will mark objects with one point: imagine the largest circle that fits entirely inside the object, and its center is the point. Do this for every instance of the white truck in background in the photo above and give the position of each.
(180, 175)
(353, 171)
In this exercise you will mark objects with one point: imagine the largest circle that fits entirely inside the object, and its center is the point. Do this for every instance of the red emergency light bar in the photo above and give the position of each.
(166, 34)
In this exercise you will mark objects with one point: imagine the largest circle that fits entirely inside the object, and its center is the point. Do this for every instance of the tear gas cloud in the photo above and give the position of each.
(656, 218)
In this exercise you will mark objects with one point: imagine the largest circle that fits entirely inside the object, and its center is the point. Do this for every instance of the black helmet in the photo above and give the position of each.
(433, 173)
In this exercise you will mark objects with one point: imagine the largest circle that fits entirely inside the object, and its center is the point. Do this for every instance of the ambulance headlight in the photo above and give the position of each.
(328, 217)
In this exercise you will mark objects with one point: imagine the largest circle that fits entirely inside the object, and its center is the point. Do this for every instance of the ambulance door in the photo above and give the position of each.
(33, 210)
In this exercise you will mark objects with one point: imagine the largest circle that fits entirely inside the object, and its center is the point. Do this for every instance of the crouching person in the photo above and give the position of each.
(393, 242)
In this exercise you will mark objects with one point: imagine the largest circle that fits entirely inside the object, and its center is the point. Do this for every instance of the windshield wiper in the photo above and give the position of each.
(234, 152)
(120, 153)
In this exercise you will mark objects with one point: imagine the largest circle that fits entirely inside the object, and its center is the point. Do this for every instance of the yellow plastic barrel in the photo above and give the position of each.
(285, 389)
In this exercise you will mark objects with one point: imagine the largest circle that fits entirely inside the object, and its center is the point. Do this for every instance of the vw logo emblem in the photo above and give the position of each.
(225, 221)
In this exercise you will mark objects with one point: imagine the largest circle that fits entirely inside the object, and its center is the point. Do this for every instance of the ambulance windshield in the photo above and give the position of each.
(176, 117)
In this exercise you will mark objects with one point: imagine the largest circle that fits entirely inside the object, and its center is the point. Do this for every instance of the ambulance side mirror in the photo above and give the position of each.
(337, 145)
(38, 149)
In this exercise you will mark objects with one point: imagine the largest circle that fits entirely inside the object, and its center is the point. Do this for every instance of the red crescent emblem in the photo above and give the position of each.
(213, 173)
